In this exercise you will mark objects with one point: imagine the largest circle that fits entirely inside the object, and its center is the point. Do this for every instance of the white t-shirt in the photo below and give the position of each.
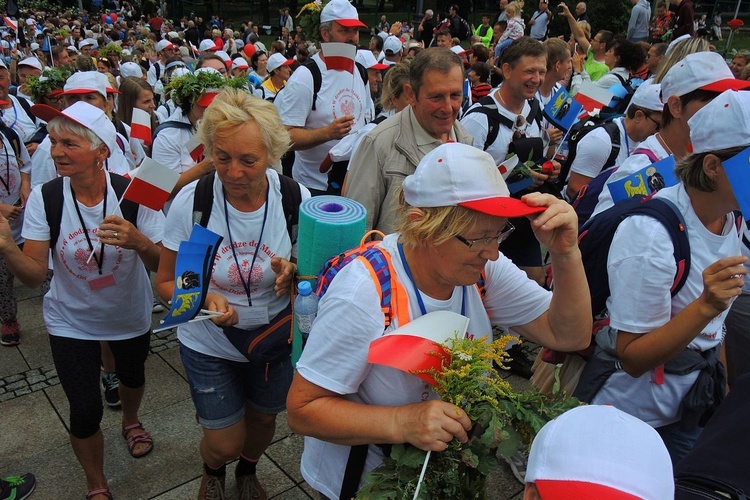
(341, 93)
(10, 181)
(594, 149)
(641, 271)
(157, 83)
(71, 308)
(204, 336)
(16, 118)
(134, 153)
(350, 317)
(477, 125)
(633, 164)
(43, 166)
(170, 146)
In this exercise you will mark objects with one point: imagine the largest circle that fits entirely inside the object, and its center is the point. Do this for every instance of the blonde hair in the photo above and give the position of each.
(515, 7)
(233, 108)
(393, 83)
(429, 226)
(678, 52)
(586, 27)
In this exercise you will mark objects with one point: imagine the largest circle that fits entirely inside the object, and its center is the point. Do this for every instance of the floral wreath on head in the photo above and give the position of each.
(51, 80)
(190, 87)
(309, 19)
(112, 48)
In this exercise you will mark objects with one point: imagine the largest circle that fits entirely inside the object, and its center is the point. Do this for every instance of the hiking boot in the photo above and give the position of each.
(519, 362)
(157, 306)
(17, 487)
(10, 334)
(518, 463)
(111, 386)
(249, 488)
(212, 488)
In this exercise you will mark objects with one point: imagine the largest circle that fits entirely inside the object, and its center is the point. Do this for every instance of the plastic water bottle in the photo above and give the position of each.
(305, 308)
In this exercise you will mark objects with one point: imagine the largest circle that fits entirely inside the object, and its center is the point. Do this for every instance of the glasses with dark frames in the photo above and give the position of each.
(486, 242)
(658, 125)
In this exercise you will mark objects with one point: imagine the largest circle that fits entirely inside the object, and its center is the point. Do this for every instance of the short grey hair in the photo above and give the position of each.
(64, 124)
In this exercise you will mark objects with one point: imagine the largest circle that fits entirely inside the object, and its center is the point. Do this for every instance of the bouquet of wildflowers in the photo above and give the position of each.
(309, 18)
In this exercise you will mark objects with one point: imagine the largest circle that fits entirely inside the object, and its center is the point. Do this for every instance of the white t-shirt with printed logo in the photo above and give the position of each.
(341, 93)
(10, 185)
(71, 308)
(16, 118)
(350, 317)
(640, 277)
(204, 336)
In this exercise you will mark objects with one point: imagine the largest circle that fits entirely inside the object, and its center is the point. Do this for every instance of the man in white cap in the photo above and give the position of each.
(375, 70)
(609, 144)
(85, 46)
(687, 87)
(157, 71)
(577, 455)
(342, 104)
(25, 68)
(393, 48)
(16, 113)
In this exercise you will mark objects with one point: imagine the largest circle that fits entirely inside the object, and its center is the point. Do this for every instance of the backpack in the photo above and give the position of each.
(291, 198)
(52, 194)
(464, 30)
(317, 77)
(13, 139)
(41, 132)
(585, 201)
(622, 103)
(488, 107)
(171, 124)
(578, 131)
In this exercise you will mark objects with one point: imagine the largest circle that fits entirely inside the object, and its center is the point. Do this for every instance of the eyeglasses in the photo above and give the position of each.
(486, 242)
(658, 124)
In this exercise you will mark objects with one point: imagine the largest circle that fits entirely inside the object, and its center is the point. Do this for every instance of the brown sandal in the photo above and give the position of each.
(139, 437)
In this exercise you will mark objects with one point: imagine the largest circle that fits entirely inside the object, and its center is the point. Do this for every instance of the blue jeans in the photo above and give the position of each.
(221, 388)
(677, 441)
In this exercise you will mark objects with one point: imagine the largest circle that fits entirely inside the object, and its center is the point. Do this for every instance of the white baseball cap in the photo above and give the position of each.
(31, 62)
(240, 63)
(163, 45)
(700, 70)
(131, 69)
(86, 41)
(343, 13)
(393, 44)
(85, 82)
(208, 45)
(84, 114)
(276, 61)
(224, 57)
(34, 46)
(366, 58)
(600, 452)
(455, 174)
(722, 123)
(648, 96)
(72, 49)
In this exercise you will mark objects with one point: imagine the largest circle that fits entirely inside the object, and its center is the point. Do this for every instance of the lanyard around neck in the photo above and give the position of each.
(420, 302)
(99, 260)
(246, 284)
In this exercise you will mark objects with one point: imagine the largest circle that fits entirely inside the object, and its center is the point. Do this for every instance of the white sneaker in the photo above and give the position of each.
(157, 307)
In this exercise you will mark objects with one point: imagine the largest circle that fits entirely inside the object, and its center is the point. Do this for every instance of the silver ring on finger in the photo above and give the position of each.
(114, 235)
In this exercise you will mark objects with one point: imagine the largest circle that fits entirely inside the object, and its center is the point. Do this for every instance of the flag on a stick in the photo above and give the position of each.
(339, 56)
(140, 126)
(151, 184)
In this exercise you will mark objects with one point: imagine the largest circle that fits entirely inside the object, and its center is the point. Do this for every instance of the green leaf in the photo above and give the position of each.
(413, 457)
(469, 458)
(511, 441)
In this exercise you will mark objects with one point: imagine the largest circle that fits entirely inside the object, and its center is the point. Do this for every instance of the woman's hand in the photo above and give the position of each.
(431, 425)
(217, 302)
(556, 227)
(284, 271)
(722, 282)
(10, 212)
(117, 231)
(578, 62)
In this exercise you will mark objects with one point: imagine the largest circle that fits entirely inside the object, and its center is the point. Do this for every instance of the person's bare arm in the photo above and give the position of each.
(306, 138)
(575, 29)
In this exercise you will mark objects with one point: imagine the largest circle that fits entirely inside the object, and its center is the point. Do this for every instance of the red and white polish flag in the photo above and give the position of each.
(151, 184)
(140, 126)
(421, 345)
(592, 96)
(10, 23)
(195, 148)
(339, 56)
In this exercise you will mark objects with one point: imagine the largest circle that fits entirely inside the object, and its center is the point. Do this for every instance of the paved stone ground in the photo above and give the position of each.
(34, 432)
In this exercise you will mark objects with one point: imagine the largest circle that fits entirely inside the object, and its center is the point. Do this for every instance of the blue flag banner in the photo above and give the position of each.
(562, 110)
(645, 181)
(192, 269)
(737, 169)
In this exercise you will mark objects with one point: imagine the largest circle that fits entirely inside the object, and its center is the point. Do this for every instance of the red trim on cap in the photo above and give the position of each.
(379, 66)
(579, 489)
(727, 84)
(110, 90)
(206, 99)
(287, 62)
(350, 23)
(47, 113)
(502, 206)
(80, 91)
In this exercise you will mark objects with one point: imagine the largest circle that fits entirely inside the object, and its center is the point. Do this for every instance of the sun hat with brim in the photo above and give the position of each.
(85, 115)
(86, 82)
(455, 174)
(366, 58)
(723, 123)
(600, 452)
(700, 71)
(342, 12)
(276, 61)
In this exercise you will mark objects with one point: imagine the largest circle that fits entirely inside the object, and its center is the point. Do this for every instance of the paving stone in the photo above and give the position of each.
(7, 396)
(23, 392)
(39, 386)
(14, 378)
(35, 379)
(53, 381)
(16, 385)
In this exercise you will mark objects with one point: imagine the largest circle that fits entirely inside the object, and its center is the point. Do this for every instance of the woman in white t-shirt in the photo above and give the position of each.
(100, 290)
(650, 328)
(244, 354)
(454, 211)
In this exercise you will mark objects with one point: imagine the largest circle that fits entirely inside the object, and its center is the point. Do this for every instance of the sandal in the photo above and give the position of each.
(101, 491)
(137, 438)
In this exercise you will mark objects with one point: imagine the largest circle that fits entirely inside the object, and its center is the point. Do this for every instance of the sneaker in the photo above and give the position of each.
(519, 362)
(111, 389)
(157, 307)
(10, 334)
(517, 465)
(212, 488)
(17, 487)
(249, 488)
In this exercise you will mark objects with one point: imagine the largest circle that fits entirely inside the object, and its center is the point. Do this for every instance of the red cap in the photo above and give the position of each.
(207, 98)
